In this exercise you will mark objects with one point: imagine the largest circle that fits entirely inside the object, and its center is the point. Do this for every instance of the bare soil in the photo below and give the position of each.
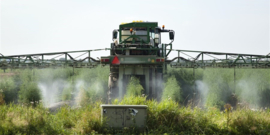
(7, 74)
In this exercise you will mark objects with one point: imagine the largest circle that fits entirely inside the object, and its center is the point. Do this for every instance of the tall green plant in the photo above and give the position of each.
(134, 87)
(8, 89)
(221, 86)
(186, 79)
(2, 101)
(91, 94)
(29, 91)
(95, 84)
(172, 90)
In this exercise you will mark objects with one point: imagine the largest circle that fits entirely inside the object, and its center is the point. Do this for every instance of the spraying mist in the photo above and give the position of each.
(52, 91)
(202, 89)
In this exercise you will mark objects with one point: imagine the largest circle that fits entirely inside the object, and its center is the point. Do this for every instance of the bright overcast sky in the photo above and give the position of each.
(39, 26)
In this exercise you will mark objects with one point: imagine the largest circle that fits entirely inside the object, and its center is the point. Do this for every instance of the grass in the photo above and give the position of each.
(166, 116)
(18, 119)
(19, 116)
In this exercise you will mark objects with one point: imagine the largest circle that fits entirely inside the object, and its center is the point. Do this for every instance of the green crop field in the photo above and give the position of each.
(211, 102)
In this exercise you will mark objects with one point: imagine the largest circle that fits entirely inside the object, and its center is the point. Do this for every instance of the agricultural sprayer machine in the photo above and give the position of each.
(137, 51)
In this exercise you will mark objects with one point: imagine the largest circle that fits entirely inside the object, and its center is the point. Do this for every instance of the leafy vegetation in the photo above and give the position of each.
(172, 90)
(186, 107)
(162, 117)
(134, 87)
(9, 91)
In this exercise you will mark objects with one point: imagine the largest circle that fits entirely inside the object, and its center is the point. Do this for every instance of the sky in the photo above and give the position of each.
(40, 26)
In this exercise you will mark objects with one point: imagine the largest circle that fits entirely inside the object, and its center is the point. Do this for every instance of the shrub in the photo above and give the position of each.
(9, 90)
(29, 91)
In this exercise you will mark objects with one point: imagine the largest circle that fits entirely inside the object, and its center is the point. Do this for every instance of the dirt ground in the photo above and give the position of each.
(54, 107)
(6, 74)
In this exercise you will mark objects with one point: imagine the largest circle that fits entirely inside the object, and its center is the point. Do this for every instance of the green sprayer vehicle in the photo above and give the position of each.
(137, 51)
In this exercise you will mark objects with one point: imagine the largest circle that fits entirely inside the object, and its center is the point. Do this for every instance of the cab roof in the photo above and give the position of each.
(152, 25)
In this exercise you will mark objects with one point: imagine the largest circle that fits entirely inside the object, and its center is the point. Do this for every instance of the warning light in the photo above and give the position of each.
(159, 60)
(130, 30)
(115, 60)
(163, 26)
(105, 60)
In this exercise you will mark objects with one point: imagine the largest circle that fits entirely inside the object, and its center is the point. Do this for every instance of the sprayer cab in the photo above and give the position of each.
(139, 38)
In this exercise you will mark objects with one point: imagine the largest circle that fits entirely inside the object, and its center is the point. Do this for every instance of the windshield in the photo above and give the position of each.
(142, 34)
